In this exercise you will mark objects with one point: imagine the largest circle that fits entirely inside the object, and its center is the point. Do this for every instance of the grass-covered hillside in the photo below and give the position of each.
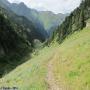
(67, 66)
(32, 74)
(71, 67)
(64, 66)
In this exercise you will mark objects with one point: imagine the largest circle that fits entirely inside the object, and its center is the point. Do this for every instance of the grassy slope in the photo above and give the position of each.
(71, 66)
(32, 74)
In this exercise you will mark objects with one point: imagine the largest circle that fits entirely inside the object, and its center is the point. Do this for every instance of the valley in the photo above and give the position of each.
(59, 61)
(44, 21)
(40, 50)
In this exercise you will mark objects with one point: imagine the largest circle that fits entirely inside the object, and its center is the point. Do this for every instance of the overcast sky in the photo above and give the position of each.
(57, 6)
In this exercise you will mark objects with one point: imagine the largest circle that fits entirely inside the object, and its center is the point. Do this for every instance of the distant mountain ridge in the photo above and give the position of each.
(17, 35)
(43, 20)
(50, 19)
(8, 6)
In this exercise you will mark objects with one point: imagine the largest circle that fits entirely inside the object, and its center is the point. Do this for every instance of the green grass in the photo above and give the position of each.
(32, 74)
(72, 68)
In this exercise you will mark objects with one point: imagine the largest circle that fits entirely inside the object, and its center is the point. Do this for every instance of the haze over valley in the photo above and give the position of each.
(45, 44)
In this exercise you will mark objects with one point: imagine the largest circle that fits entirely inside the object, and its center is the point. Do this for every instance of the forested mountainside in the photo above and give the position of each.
(25, 27)
(9, 36)
(21, 10)
(43, 20)
(75, 22)
(12, 44)
(63, 66)
(17, 35)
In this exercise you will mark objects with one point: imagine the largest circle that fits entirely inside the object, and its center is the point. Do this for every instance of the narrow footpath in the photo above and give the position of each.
(52, 84)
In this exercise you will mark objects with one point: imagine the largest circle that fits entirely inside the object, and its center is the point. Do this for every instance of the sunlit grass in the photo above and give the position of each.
(72, 68)
(32, 74)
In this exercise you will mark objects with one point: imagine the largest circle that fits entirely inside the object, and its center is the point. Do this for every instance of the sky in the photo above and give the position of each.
(56, 6)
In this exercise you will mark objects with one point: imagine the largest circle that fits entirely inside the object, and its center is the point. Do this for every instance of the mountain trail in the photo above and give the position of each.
(52, 83)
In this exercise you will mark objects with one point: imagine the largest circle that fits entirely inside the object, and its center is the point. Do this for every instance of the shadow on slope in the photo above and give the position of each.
(13, 46)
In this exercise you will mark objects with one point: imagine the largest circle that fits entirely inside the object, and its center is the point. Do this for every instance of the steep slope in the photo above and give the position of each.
(24, 25)
(22, 10)
(32, 74)
(17, 39)
(43, 20)
(8, 34)
(71, 66)
(12, 45)
(74, 22)
(70, 63)
(62, 67)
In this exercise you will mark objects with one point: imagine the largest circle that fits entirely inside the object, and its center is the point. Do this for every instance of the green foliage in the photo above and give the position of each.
(13, 46)
(23, 26)
(75, 22)
(17, 36)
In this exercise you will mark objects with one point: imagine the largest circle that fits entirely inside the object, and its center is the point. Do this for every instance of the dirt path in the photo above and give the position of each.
(50, 77)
